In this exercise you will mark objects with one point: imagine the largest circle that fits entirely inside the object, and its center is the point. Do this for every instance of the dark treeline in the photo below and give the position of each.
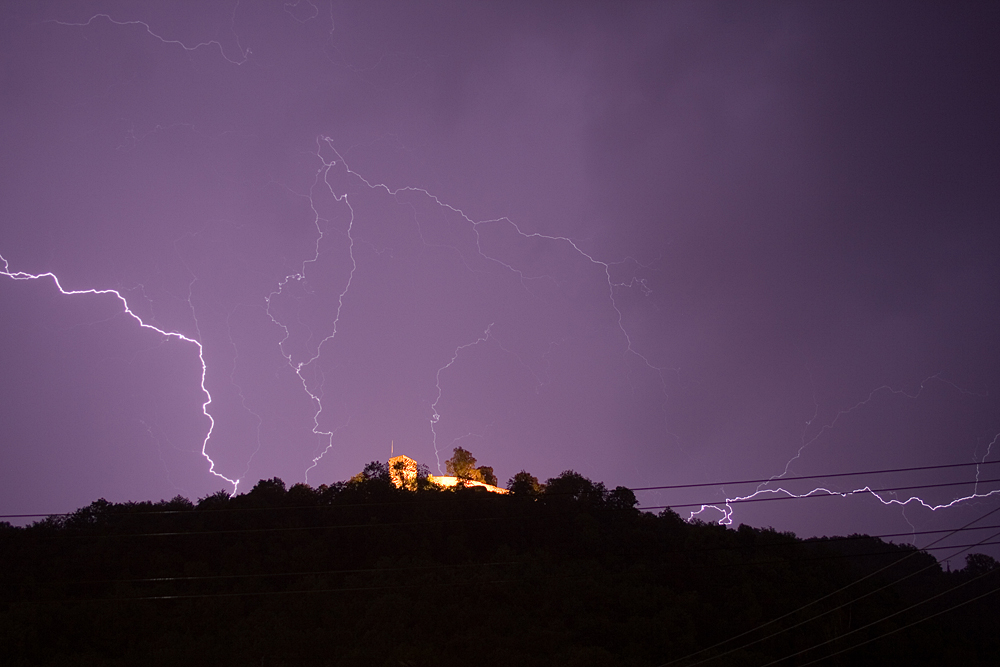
(565, 573)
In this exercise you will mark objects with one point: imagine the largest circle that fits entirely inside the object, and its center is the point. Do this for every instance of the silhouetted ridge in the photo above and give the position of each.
(375, 572)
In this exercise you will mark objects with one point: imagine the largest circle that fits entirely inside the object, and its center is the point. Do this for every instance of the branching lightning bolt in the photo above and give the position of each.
(304, 11)
(606, 267)
(21, 275)
(726, 508)
(321, 176)
(321, 179)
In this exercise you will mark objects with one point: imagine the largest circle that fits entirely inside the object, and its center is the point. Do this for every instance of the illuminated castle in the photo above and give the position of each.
(403, 473)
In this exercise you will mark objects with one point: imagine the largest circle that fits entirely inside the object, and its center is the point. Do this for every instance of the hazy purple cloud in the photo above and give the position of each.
(658, 243)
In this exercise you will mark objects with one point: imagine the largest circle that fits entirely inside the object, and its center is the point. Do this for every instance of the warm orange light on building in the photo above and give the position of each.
(403, 473)
(455, 481)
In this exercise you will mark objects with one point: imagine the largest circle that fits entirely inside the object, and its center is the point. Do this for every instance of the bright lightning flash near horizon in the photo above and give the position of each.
(726, 509)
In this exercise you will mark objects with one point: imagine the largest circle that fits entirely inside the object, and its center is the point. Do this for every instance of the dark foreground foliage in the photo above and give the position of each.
(566, 573)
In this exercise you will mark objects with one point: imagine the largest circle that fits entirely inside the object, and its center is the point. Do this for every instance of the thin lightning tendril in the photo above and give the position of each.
(989, 448)
(435, 416)
(289, 6)
(244, 52)
(239, 391)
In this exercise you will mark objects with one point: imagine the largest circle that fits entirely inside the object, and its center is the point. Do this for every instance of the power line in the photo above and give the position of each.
(837, 474)
(311, 591)
(285, 529)
(333, 526)
(823, 597)
(797, 542)
(491, 564)
(845, 604)
(908, 625)
(814, 494)
(195, 510)
(260, 575)
(357, 588)
(250, 575)
(887, 617)
(638, 488)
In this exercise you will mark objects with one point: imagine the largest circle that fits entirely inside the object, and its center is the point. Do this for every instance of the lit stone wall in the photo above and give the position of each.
(454, 481)
(403, 472)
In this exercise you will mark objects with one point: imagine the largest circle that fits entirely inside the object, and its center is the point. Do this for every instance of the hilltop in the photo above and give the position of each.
(567, 572)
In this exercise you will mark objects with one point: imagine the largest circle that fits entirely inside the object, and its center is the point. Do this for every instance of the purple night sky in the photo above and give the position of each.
(657, 243)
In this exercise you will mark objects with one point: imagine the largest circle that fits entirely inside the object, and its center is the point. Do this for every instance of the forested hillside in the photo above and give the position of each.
(565, 573)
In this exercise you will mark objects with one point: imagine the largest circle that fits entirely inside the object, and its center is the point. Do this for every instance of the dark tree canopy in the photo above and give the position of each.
(978, 564)
(486, 475)
(365, 573)
(523, 483)
(375, 471)
(462, 464)
(571, 485)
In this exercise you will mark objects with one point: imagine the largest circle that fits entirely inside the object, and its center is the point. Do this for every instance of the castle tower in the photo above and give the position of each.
(403, 472)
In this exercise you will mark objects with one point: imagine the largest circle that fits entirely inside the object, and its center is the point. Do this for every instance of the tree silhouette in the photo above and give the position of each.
(524, 483)
(571, 485)
(486, 475)
(327, 570)
(462, 464)
(977, 564)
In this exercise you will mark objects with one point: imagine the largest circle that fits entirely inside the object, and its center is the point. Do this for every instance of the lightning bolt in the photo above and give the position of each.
(435, 416)
(244, 52)
(289, 6)
(605, 267)
(239, 389)
(305, 366)
(470, 434)
(21, 275)
(726, 508)
(989, 448)
(322, 182)
(320, 179)
(871, 395)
